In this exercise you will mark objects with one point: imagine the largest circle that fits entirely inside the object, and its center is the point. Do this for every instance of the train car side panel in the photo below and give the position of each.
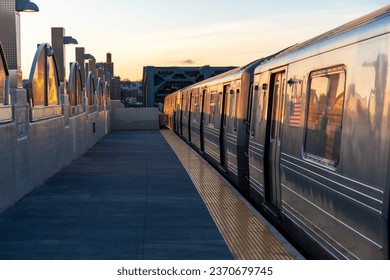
(335, 145)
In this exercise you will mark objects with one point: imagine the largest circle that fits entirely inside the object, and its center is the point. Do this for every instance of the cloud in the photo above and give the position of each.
(188, 62)
(180, 62)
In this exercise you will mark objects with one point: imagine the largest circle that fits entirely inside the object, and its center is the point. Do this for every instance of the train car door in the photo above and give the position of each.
(201, 132)
(223, 130)
(276, 97)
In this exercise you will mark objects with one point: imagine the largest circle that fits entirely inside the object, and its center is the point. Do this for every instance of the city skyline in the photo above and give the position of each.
(177, 33)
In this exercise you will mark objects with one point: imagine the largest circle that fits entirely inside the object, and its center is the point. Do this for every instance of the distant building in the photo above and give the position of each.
(108, 65)
(158, 82)
(131, 95)
(115, 86)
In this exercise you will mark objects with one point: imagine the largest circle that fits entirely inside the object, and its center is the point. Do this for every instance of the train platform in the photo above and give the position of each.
(138, 195)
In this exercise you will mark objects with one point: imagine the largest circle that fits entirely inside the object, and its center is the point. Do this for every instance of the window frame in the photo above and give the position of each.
(329, 162)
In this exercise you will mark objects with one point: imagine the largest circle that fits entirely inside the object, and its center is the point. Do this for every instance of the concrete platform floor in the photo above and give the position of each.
(128, 197)
(248, 234)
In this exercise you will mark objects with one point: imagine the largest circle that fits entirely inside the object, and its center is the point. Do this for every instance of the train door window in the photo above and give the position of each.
(237, 95)
(231, 105)
(213, 105)
(249, 106)
(190, 102)
(184, 105)
(195, 109)
(187, 108)
(275, 110)
(220, 104)
(208, 108)
(216, 108)
(325, 115)
(254, 111)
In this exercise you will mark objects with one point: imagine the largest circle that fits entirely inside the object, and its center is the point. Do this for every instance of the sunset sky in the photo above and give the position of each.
(181, 32)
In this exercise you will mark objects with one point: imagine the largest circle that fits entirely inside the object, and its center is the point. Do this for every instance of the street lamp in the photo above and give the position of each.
(25, 6)
(88, 56)
(69, 40)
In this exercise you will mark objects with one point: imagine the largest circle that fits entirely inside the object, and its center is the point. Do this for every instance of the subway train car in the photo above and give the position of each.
(316, 126)
(213, 114)
(320, 139)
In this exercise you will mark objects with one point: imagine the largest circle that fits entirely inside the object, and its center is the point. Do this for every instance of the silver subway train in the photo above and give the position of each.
(305, 135)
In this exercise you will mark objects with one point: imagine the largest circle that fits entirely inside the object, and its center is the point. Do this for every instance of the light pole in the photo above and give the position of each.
(80, 53)
(58, 42)
(10, 35)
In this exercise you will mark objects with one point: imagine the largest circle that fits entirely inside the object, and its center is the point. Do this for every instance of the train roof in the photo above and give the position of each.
(378, 14)
(332, 39)
(233, 74)
(230, 75)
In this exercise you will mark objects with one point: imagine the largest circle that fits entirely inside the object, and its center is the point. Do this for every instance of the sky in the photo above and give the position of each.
(181, 32)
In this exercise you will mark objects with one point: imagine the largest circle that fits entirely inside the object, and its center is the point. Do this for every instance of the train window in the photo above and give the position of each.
(184, 106)
(236, 111)
(188, 105)
(231, 106)
(276, 107)
(187, 108)
(195, 105)
(325, 114)
(255, 101)
(213, 100)
(181, 106)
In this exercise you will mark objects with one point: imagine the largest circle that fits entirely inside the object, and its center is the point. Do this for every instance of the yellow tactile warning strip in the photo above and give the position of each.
(247, 236)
